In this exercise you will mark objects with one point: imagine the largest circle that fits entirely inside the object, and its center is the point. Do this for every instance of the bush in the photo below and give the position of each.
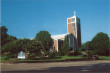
(53, 54)
(90, 54)
(34, 56)
(77, 53)
(60, 53)
(74, 53)
(31, 57)
(71, 54)
(7, 56)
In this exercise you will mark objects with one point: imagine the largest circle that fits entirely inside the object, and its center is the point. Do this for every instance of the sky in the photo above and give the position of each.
(25, 18)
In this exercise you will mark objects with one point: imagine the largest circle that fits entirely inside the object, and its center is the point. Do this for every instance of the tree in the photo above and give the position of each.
(4, 35)
(45, 38)
(6, 40)
(10, 49)
(85, 46)
(35, 47)
(65, 48)
(32, 46)
(16, 45)
(11, 38)
(3, 30)
(100, 44)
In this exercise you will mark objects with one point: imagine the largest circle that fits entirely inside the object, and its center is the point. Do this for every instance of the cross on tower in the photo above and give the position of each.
(74, 13)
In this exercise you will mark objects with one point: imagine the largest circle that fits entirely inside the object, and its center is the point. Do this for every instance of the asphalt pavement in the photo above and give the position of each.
(100, 66)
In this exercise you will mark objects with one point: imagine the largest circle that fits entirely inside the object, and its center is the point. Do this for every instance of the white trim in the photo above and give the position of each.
(76, 27)
(58, 36)
(73, 17)
(54, 39)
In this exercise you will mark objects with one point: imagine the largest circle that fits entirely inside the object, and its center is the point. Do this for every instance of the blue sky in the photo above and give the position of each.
(25, 18)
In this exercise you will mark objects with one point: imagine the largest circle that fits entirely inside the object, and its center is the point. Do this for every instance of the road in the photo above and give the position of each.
(58, 67)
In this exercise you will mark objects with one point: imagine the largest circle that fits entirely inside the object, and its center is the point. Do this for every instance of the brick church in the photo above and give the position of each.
(73, 33)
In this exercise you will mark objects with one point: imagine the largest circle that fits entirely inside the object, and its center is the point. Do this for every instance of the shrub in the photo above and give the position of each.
(60, 53)
(31, 57)
(53, 54)
(7, 56)
(77, 53)
(71, 54)
(90, 54)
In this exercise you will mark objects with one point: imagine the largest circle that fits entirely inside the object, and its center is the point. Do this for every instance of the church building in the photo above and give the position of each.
(73, 34)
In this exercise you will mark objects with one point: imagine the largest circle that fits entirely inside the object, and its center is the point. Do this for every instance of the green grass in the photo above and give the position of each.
(53, 58)
(105, 57)
(71, 57)
(47, 59)
(3, 58)
(60, 58)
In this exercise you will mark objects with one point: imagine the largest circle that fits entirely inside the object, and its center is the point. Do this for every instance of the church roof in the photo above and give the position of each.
(58, 36)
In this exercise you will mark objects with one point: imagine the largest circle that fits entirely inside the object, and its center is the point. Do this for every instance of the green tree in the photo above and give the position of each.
(85, 46)
(100, 44)
(10, 49)
(4, 35)
(65, 48)
(11, 38)
(16, 45)
(3, 30)
(35, 47)
(45, 38)
(6, 40)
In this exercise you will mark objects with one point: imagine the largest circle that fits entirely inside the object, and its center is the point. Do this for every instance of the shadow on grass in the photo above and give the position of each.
(95, 68)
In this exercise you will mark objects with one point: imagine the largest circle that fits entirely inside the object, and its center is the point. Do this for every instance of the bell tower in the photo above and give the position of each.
(73, 26)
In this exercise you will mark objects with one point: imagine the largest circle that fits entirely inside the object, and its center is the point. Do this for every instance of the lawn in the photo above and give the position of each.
(105, 57)
(71, 57)
(58, 58)
(46, 58)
